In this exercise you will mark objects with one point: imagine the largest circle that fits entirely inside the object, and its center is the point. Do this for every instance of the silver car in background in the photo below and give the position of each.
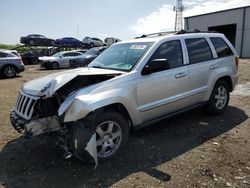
(59, 60)
(11, 63)
(93, 42)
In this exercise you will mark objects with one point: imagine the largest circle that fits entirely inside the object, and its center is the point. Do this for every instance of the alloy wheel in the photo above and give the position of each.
(9, 71)
(108, 140)
(221, 97)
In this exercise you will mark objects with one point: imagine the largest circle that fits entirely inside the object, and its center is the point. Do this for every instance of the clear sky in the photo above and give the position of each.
(96, 18)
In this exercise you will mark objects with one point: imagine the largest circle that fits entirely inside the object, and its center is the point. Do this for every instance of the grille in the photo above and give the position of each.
(25, 105)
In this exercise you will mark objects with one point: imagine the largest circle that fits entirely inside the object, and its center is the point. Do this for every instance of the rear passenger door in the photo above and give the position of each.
(201, 64)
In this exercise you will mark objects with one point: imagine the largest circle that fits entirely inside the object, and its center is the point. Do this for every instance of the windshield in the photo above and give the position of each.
(121, 56)
(92, 51)
(57, 54)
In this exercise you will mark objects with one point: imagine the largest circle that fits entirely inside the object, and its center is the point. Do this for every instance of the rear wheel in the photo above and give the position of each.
(9, 71)
(219, 98)
(112, 134)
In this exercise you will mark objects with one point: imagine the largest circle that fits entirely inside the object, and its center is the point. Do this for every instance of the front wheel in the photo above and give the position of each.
(55, 65)
(112, 132)
(92, 45)
(219, 98)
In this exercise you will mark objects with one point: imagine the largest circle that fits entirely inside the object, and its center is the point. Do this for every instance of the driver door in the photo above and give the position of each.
(162, 92)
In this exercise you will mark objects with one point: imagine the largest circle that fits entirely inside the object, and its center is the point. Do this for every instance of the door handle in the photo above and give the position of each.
(213, 67)
(180, 75)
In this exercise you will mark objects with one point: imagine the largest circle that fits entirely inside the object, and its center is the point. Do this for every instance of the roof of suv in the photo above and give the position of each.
(8, 51)
(172, 35)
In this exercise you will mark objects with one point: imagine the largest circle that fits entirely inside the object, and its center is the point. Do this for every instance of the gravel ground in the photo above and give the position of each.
(189, 150)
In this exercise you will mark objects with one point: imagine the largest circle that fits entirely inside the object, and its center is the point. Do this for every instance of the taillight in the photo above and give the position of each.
(237, 61)
(19, 59)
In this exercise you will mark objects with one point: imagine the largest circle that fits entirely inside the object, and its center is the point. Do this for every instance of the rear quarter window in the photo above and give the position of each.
(198, 50)
(221, 47)
(3, 55)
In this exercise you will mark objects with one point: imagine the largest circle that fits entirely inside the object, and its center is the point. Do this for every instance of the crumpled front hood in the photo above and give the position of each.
(48, 85)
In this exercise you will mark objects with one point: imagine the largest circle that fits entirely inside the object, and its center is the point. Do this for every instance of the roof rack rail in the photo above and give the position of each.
(173, 32)
(195, 31)
(156, 34)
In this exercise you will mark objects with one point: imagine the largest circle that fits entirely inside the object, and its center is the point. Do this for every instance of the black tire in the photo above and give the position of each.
(54, 65)
(92, 45)
(219, 98)
(9, 71)
(100, 119)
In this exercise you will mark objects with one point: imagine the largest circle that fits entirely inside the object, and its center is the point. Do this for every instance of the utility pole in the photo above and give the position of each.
(178, 8)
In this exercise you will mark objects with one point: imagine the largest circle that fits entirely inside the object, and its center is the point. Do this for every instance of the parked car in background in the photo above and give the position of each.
(89, 56)
(30, 57)
(37, 40)
(59, 60)
(10, 63)
(69, 42)
(111, 40)
(93, 42)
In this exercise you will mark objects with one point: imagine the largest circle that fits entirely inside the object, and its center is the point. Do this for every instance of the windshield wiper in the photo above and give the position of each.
(96, 67)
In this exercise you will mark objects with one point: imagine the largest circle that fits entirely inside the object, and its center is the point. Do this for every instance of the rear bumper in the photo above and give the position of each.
(235, 80)
(21, 68)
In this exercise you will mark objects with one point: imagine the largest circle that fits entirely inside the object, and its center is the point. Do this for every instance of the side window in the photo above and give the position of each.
(172, 52)
(198, 50)
(221, 47)
(2, 55)
(66, 55)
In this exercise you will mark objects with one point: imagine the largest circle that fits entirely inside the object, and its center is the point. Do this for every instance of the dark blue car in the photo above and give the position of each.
(69, 42)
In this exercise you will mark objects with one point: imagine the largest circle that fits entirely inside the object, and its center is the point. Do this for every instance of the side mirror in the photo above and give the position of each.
(155, 65)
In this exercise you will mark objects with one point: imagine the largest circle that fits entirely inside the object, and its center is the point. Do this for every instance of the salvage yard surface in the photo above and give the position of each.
(189, 150)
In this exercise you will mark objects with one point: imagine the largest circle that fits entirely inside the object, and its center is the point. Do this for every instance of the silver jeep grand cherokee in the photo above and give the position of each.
(130, 85)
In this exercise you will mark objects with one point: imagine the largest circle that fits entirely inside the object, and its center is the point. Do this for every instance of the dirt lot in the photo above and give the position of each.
(190, 150)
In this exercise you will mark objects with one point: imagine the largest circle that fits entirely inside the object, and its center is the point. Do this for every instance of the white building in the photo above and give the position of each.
(234, 23)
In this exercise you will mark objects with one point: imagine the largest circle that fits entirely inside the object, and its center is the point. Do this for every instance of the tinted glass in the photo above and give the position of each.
(198, 50)
(221, 47)
(71, 54)
(2, 55)
(172, 52)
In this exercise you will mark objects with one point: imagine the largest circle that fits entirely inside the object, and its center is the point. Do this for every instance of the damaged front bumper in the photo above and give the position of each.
(17, 122)
(34, 127)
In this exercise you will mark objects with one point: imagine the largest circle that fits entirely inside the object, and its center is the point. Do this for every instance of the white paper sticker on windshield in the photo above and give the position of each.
(138, 47)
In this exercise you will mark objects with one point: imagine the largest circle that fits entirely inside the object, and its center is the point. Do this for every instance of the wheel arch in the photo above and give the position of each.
(117, 107)
(228, 80)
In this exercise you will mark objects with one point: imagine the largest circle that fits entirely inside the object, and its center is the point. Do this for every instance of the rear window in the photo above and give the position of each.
(198, 50)
(15, 53)
(221, 47)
